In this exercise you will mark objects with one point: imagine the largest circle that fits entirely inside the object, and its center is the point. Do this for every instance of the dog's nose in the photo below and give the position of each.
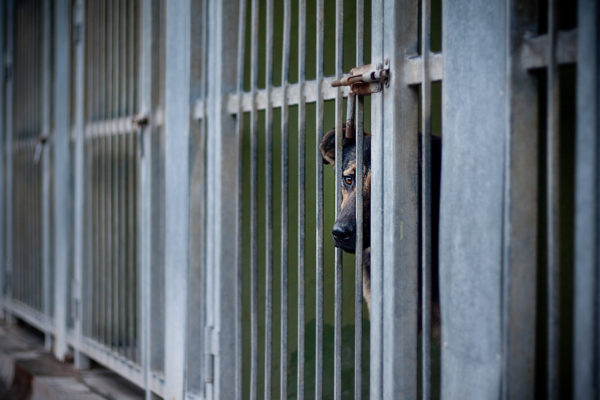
(343, 235)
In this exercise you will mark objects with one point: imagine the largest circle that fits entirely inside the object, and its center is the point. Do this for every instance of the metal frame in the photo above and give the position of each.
(487, 237)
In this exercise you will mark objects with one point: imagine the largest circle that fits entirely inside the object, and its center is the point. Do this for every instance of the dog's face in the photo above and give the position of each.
(344, 229)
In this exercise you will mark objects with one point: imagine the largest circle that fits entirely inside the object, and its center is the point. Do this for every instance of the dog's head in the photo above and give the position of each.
(344, 229)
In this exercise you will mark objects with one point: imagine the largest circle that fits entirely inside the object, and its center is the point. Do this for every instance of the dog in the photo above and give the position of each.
(344, 228)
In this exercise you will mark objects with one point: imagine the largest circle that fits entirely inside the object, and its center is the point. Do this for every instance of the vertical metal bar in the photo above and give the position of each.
(123, 172)
(400, 206)
(319, 201)
(131, 185)
(89, 222)
(253, 208)
(8, 140)
(102, 114)
(62, 73)
(177, 112)
(359, 179)
(358, 291)
(425, 201)
(587, 214)
(301, 192)
(45, 231)
(285, 72)
(520, 225)
(38, 202)
(121, 184)
(145, 201)
(79, 235)
(222, 170)
(3, 198)
(118, 154)
(239, 128)
(97, 90)
(111, 139)
(269, 201)
(552, 187)
(339, 46)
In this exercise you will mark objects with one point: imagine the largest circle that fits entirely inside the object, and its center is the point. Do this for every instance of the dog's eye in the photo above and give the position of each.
(348, 180)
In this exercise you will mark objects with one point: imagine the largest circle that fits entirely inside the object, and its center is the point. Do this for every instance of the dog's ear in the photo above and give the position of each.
(327, 147)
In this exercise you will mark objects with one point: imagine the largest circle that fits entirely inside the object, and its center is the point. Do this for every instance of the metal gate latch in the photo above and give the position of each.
(366, 79)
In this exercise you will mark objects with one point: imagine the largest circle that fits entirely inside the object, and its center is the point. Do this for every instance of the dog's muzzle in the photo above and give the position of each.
(344, 236)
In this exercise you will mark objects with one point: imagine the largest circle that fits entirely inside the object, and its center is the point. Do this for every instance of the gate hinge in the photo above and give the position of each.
(366, 79)
(210, 339)
(75, 300)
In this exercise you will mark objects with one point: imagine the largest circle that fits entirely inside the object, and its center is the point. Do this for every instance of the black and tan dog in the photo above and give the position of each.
(344, 229)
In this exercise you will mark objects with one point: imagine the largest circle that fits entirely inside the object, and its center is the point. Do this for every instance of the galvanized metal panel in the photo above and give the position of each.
(587, 214)
(471, 212)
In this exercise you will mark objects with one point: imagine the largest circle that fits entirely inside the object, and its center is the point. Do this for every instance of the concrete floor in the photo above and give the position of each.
(28, 372)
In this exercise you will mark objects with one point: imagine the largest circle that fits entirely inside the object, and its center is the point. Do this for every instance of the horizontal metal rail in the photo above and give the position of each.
(30, 315)
(534, 52)
(293, 96)
(117, 363)
(110, 127)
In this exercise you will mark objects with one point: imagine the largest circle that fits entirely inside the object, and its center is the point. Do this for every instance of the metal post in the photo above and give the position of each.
(301, 337)
(3, 149)
(177, 131)
(426, 237)
(254, 205)
(587, 214)
(319, 202)
(144, 206)
(359, 182)
(339, 57)
(519, 253)
(81, 361)
(394, 208)
(239, 129)
(9, 132)
(471, 210)
(62, 74)
(376, 311)
(552, 207)
(269, 204)
(222, 173)
(285, 74)
(45, 100)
